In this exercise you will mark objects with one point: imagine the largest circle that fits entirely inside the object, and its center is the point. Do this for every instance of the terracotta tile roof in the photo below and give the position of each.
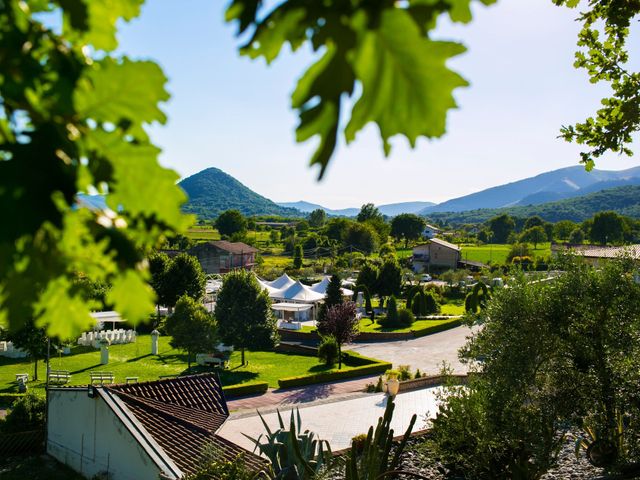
(599, 251)
(183, 415)
(202, 392)
(437, 241)
(234, 247)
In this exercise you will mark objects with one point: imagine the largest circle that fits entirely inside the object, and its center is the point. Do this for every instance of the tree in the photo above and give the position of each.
(368, 212)
(533, 221)
(607, 227)
(31, 339)
(243, 312)
(407, 226)
(362, 236)
(555, 354)
(333, 295)
(501, 226)
(392, 312)
(518, 250)
(389, 278)
(336, 228)
(534, 235)
(184, 277)
(73, 117)
(577, 236)
(159, 264)
(274, 236)
(297, 257)
(192, 328)
(368, 276)
(342, 323)
(317, 218)
(231, 222)
(562, 229)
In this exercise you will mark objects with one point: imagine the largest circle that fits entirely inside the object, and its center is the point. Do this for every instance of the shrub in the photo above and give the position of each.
(418, 374)
(392, 312)
(245, 389)
(27, 413)
(328, 350)
(334, 375)
(404, 372)
(379, 384)
(405, 317)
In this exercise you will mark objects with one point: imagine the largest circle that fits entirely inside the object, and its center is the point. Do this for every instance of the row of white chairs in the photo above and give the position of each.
(114, 336)
(8, 350)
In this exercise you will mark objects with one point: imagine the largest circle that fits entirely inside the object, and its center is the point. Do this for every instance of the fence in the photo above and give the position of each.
(22, 443)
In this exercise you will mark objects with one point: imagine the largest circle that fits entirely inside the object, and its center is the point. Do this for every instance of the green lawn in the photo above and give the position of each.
(367, 326)
(135, 360)
(452, 309)
(203, 233)
(497, 253)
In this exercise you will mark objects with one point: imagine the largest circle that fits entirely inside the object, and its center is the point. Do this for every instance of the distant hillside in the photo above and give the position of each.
(391, 209)
(212, 191)
(546, 187)
(624, 200)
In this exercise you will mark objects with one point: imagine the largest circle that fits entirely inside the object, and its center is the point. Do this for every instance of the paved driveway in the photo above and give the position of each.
(426, 353)
(338, 422)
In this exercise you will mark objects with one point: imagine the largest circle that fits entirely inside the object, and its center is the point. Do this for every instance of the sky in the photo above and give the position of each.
(233, 113)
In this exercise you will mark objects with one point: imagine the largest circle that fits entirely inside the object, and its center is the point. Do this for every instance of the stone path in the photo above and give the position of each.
(426, 353)
(302, 395)
(339, 421)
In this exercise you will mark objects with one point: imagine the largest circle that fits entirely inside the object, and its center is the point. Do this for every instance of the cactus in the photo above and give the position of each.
(371, 459)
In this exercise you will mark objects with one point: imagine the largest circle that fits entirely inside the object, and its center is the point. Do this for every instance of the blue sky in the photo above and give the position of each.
(233, 113)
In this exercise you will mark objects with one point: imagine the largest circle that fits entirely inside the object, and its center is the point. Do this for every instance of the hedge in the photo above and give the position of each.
(301, 381)
(245, 389)
(436, 328)
(354, 359)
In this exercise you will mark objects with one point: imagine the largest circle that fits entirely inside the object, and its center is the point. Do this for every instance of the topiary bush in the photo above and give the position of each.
(328, 350)
(406, 318)
(392, 312)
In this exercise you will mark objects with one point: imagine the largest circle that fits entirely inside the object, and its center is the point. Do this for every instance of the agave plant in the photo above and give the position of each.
(370, 459)
(294, 454)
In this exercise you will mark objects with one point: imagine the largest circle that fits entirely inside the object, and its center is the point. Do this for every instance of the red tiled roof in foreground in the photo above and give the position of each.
(183, 415)
(202, 392)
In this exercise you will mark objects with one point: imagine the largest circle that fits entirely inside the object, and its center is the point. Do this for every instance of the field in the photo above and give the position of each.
(497, 253)
(135, 360)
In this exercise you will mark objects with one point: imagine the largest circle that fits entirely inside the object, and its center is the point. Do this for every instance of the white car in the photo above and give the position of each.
(425, 278)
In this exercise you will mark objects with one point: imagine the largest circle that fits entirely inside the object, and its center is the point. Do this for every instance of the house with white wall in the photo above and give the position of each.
(139, 431)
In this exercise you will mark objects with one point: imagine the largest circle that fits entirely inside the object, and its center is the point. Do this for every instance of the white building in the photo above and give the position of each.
(140, 431)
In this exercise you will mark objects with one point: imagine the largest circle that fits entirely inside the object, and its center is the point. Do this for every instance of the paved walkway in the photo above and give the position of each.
(339, 421)
(301, 395)
(426, 353)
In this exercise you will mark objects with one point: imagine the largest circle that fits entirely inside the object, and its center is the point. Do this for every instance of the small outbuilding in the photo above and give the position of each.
(139, 431)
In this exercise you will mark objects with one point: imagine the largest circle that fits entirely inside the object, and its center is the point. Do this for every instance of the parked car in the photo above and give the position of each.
(425, 278)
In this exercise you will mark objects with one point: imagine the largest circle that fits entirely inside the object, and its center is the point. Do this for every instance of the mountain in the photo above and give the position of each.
(623, 200)
(391, 209)
(307, 207)
(550, 186)
(212, 191)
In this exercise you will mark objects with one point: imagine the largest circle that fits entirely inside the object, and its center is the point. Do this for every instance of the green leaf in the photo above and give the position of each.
(132, 296)
(142, 186)
(103, 18)
(62, 313)
(407, 87)
(129, 90)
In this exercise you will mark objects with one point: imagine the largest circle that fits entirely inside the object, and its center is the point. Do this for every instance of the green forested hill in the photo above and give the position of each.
(212, 191)
(623, 200)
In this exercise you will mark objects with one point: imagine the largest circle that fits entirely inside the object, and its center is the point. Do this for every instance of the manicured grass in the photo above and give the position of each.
(367, 326)
(135, 360)
(202, 233)
(497, 253)
(276, 261)
(452, 309)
